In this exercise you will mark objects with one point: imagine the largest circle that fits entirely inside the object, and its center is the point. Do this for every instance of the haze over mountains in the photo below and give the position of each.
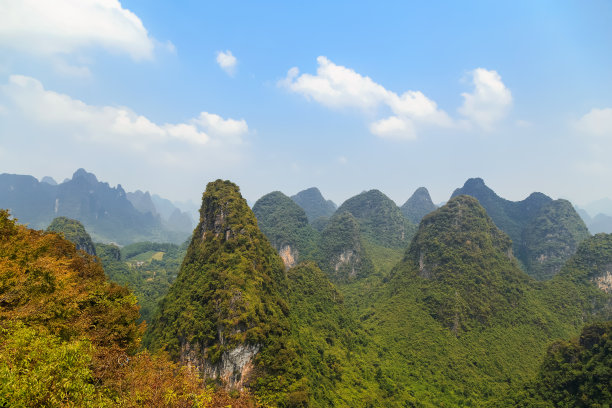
(109, 213)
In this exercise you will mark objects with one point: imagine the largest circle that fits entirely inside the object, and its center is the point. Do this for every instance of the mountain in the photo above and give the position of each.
(458, 321)
(74, 232)
(342, 253)
(105, 211)
(418, 205)
(49, 180)
(285, 224)
(551, 238)
(601, 206)
(528, 222)
(380, 219)
(226, 313)
(142, 202)
(312, 202)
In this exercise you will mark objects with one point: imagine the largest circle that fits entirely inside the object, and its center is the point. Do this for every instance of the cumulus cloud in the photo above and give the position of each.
(227, 61)
(598, 122)
(489, 102)
(61, 27)
(336, 86)
(27, 97)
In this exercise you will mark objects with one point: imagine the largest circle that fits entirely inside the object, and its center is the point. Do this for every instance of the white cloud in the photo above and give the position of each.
(336, 86)
(598, 122)
(489, 102)
(27, 97)
(227, 61)
(62, 27)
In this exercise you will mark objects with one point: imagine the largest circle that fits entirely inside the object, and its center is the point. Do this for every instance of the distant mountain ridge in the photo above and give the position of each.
(105, 211)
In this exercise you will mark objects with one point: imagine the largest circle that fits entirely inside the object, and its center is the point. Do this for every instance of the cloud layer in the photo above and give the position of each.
(227, 61)
(60, 27)
(598, 122)
(337, 87)
(26, 96)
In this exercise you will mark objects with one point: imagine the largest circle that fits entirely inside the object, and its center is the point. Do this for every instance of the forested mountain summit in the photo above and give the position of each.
(545, 232)
(226, 313)
(418, 205)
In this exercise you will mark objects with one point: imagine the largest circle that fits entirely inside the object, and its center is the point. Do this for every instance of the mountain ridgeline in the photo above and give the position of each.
(313, 203)
(545, 232)
(106, 212)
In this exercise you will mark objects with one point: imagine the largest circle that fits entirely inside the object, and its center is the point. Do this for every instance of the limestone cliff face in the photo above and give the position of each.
(289, 255)
(225, 314)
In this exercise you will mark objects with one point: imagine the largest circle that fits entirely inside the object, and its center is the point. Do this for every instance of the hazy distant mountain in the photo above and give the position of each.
(105, 211)
(601, 206)
(142, 202)
(601, 223)
(313, 203)
(544, 233)
(418, 205)
(49, 180)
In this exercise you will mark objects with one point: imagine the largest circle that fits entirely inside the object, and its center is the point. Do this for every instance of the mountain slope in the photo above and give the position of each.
(225, 314)
(418, 205)
(312, 202)
(286, 226)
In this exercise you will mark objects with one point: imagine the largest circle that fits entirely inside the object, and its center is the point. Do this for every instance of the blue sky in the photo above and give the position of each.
(349, 96)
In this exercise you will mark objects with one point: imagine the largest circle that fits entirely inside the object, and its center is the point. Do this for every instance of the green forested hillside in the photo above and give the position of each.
(286, 226)
(227, 312)
(74, 232)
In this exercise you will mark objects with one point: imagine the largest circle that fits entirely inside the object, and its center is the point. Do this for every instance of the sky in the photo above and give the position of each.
(346, 96)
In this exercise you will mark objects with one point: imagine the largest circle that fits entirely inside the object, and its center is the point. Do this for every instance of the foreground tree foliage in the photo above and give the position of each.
(69, 337)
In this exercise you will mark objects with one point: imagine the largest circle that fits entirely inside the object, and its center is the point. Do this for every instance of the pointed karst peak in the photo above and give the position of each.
(418, 205)
(82, 174)
(225, 313)
(314, 204)
(74, 232)
(474, 182)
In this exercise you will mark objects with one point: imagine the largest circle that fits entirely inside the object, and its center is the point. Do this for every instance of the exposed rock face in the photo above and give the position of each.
(604, 282)
(288, 255)
(347, 260)
(418, 205)
(234, 368)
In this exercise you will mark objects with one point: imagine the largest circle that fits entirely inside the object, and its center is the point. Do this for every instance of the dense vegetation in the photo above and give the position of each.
(286, 226)
(312, 202)
(418, 205)
(342, 253)
(228, 300)
(551, 238)
(147, 268)
(74, 232)
(68, 337)
(380, 219)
